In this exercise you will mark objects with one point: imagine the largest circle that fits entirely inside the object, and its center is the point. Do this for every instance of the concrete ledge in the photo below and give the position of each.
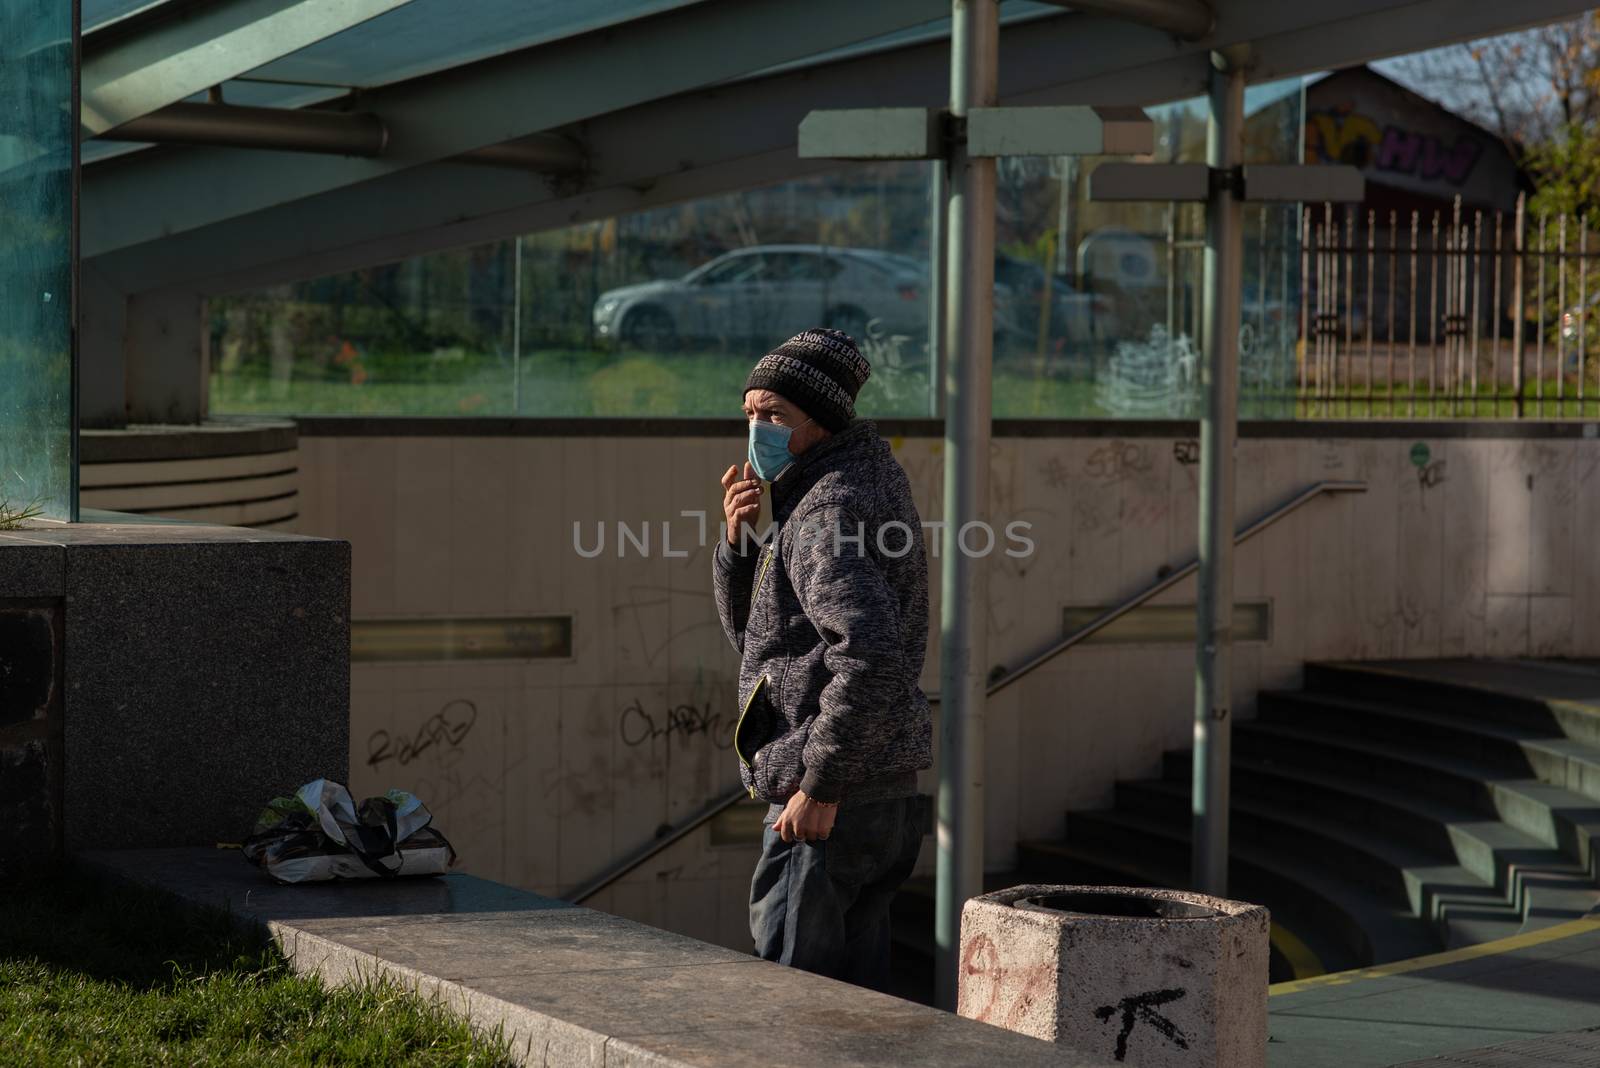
(572, 986)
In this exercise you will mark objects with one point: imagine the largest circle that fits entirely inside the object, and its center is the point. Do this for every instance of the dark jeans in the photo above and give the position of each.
(824, 906)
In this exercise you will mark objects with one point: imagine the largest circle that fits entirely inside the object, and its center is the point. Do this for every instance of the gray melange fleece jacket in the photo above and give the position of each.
(832, 629)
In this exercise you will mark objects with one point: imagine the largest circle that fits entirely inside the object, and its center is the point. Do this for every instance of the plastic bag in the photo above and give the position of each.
(320, 834)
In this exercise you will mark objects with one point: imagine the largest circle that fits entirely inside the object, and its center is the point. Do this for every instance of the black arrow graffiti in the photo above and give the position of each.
(1143, 1007)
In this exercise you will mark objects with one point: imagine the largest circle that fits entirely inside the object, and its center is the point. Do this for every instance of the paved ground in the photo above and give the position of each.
(1517, 990)
(1571, 1050)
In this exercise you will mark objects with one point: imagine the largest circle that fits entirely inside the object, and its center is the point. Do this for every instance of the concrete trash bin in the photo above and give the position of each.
(1146, 977)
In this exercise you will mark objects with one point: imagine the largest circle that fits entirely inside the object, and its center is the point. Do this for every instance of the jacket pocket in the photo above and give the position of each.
(779, 766)
(755, 721)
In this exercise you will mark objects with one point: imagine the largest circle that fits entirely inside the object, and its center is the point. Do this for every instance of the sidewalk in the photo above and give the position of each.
(1514, 990)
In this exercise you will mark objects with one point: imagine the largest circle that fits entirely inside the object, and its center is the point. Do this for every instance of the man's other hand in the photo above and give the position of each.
(741, 500)
(805, 820)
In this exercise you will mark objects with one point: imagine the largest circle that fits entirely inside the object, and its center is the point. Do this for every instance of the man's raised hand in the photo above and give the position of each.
(741, 500)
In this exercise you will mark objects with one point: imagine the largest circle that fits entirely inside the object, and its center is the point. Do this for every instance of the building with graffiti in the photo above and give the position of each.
(1417, 155)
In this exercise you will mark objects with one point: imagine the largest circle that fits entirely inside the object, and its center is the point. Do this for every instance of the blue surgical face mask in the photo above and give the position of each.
(769, 448)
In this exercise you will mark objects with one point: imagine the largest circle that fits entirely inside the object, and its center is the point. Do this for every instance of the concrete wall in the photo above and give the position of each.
(1472, 549)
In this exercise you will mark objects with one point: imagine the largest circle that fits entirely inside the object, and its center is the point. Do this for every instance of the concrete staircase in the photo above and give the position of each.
(1385, 811)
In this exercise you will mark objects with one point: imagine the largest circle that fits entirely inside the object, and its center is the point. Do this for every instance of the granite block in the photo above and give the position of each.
(30, 732)
(30, 568)
(30, 656)
(207, 671)
(27, 817)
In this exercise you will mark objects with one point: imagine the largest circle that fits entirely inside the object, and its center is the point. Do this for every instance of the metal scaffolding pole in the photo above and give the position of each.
(1219, 428)
(963, 616)
(939, 280)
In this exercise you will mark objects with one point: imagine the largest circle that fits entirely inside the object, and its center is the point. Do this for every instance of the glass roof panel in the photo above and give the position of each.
(98, 13)
(425, 36)
(1011, 12)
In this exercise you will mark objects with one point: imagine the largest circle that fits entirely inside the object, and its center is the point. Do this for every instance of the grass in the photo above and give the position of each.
(13, 516)
(1400, 401)
(100, 974)
(569, 382)
(586, 383)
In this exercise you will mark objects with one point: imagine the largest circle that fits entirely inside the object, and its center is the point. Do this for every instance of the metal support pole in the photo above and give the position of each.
(963, 617)
(938, 282)
(1518, 310)
(1213, 710)
(516, 326)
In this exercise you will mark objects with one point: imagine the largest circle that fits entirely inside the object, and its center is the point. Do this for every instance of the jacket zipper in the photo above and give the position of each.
(737, 727)
(761, 576)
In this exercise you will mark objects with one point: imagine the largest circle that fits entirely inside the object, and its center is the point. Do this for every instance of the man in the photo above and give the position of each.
(830, 616)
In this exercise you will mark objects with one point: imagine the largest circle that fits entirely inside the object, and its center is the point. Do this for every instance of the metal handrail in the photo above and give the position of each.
(656, 845)
(692, 823)
(1110, 616)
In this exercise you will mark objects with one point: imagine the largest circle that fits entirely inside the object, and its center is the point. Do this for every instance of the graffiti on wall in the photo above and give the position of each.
(1345, 135)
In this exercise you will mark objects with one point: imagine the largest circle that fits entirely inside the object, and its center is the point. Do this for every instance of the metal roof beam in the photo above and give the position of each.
(285, 129)
(340, 133)
(146, 195)
(127, 74)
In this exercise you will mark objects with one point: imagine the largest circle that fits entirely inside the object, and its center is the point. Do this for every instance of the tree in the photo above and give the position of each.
(1527, 87)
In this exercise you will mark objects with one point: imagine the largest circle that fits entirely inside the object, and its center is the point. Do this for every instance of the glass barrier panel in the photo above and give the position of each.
(662, 312)
(37, 133)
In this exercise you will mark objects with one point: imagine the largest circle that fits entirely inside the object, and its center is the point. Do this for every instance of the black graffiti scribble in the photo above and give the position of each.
(1117, 460)
(1143, 1007)
(638, 726)
(1431, 475)
(1186, 453)
(445, 728)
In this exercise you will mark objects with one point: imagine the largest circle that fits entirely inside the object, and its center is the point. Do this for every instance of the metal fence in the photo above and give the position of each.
(1448, 315)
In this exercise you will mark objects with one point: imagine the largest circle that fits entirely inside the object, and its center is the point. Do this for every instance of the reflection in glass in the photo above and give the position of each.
(36, 145)
(658, 313)
(661, 312)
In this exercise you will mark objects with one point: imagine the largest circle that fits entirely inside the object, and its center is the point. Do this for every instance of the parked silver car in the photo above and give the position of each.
(1076, 318)
(765, 292)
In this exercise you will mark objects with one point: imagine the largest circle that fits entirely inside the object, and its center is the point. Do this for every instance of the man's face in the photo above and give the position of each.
(769, 407)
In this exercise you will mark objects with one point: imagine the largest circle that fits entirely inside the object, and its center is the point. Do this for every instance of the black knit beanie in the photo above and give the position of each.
(820, 370)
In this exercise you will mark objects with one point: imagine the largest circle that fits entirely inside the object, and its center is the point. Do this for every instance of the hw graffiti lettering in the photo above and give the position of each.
(443, 731)
(1117, 460)
(1343, 135)
(639, 726)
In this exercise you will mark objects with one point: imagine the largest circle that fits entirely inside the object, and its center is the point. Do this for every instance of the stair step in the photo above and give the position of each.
(911, 914)
(1451, 779)
(1370, 929)
(1428, 884)
(1550, 813)
(1526, 870)
(1503, 691)
(1510, 750)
